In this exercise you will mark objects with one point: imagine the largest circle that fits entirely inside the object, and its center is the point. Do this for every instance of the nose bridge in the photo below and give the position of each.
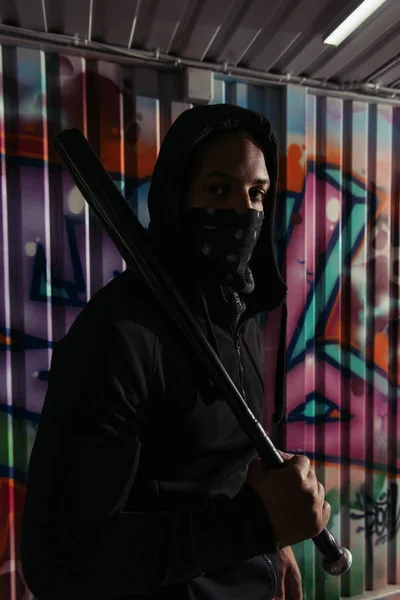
(241, 197)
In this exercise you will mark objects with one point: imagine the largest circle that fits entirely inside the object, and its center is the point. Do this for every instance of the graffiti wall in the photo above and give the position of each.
(340, 234)
(338, 246)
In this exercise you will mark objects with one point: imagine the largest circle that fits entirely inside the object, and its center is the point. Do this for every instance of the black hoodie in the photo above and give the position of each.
(136, 484)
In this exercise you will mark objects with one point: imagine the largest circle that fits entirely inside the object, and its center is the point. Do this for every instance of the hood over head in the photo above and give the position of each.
(167, 190)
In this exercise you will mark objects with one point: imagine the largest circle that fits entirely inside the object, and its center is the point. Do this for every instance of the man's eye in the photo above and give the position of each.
(257, 195)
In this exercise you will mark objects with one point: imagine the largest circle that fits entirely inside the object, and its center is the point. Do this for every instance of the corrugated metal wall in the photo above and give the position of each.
(339, 249)
(341, 237)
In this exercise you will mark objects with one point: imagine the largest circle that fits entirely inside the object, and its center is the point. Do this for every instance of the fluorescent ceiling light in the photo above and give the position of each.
(354, 20)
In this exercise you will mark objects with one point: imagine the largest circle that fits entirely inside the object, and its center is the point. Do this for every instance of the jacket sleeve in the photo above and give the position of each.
(77, 540)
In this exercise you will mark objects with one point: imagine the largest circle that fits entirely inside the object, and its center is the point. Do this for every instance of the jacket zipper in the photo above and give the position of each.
(240, 364)
(268, 559)
(271, 565)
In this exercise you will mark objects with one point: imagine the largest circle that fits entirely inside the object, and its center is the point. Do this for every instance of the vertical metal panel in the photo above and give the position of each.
(7, 476)
(299, 219)
(394, 342)
(338, 237)
(219, 91)
(379, 255)
(330, 226)
(308, 213)
(353, 301)
(107, 96)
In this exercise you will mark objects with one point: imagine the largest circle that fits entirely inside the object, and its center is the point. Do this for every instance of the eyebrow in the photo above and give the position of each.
(212, 174)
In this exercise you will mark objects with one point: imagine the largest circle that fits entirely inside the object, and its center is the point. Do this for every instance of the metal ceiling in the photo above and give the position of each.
(276, 36)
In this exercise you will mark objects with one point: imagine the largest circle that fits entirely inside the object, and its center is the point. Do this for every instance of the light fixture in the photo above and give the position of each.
(354, 20)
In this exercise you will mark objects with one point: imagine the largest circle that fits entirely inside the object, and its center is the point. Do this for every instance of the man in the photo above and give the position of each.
(141, 482)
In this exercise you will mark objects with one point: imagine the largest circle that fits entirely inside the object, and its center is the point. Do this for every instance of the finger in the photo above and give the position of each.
(293, 592)
(293, 587)
(280, 588)
(312, 484)
(312, 480)
(326, 511)
(301, 464)
(280, 592)
(321, 492)
(285, 455)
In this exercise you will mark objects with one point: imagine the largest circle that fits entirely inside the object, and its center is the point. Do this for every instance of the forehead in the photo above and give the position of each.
(229, 150)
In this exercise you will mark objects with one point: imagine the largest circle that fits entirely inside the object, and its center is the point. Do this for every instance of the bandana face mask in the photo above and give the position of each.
(222, 241)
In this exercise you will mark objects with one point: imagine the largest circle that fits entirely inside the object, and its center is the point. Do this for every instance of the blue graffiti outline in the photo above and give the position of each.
(63, 292)
(22, 341)
(20, 413)
(298, 413)
(320, 171)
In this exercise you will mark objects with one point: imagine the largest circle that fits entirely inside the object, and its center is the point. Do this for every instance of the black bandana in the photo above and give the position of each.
(222, 240)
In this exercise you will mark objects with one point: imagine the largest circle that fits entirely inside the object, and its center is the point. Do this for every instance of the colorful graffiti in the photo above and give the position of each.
(381, 517)
(338, 246)
(340, 232)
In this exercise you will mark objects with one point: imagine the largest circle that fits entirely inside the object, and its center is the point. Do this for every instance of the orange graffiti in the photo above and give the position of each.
(5, 534)
(5, 340)
(12, 499)
(295, 168)
(381, 350)
(12, 496)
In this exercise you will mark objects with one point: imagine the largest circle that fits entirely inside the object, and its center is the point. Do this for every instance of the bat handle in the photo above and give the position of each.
(336, 559)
